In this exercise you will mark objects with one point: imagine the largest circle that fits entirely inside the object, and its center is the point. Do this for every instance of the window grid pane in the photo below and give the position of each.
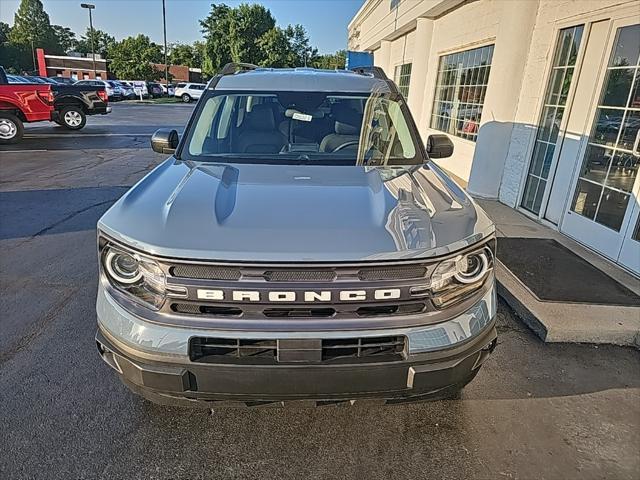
(610, 167)
(402, 77)
(460, 91)
(555, 99)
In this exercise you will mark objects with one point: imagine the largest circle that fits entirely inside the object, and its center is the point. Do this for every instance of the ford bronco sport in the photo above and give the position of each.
(298, 245)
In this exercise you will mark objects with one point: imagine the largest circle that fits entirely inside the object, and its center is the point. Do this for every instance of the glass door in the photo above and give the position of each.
(604, 201)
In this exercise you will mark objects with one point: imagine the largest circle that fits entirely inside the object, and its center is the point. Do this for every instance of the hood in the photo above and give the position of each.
(295, 213)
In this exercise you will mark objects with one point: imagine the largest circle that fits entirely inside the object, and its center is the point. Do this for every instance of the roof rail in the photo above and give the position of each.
(377, 72)
(233, 67)
(229, 69)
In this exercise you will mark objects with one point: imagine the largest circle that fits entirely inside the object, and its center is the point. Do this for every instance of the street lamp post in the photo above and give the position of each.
(166, 67)
(90, 7)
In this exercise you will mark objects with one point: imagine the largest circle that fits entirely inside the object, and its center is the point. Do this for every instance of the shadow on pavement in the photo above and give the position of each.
(30, 213)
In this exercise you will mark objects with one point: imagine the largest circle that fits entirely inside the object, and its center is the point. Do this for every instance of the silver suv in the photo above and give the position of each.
(297, 245)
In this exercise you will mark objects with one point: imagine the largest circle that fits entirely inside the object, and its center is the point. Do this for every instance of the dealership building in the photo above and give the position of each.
(81, 67)
(541, 99)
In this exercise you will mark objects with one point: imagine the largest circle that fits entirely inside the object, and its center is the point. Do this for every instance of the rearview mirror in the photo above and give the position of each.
(439, 146)
(164, 140)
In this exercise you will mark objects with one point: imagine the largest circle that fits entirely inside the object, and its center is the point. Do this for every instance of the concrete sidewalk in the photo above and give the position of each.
(557, 321)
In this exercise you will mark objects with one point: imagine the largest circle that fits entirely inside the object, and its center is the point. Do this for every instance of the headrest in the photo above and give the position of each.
(345, 129)
(261, 117)
(347, 120)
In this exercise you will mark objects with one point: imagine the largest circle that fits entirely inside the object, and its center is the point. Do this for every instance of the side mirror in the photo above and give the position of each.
(164, 141)
(439, 146)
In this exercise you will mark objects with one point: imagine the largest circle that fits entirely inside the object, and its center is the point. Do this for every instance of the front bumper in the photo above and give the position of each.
(153, 360)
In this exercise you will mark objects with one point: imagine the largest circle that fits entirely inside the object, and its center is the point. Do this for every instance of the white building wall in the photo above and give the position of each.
(524, 34)
(552, 15)
(472, 25)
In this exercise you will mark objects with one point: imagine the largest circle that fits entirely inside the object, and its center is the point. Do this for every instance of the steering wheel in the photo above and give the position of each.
(345, 145)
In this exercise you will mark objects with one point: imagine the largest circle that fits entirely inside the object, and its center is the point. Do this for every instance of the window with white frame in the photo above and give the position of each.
(555, 100)
(460, 91)
(402, 77)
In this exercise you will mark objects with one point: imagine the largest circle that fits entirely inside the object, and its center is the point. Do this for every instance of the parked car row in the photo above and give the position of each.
(36, 101)
(116, 89)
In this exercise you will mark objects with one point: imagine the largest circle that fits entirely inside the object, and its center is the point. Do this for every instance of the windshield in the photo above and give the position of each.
(302, 127)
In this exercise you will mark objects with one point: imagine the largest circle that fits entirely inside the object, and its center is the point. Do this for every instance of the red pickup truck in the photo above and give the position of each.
(22, 103)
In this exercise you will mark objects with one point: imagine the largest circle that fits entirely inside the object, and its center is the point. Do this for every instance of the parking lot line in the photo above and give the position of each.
(25, 151)
(48, 135)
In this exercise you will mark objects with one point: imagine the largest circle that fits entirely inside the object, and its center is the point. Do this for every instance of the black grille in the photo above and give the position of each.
(193, 309)
(392, 273)
(300, 276)
(298, 312)
(373, 349)
(232, 350)
(307, 274)
(265, 351)
(205, 272)
(404, 309)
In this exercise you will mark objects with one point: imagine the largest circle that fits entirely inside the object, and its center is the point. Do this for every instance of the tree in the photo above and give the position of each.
(102, 41)
(14, 57)
(233, 34)
(132, 58)
(5, 29)
(299, 44)
(32, 28)
(183, 54)
(216, 30)
(65, 38)
(276, 49)
(249, 23)
(330, 61)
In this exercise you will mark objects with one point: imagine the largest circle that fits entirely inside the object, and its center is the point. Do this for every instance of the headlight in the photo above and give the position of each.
(455, 279)
(133, 273)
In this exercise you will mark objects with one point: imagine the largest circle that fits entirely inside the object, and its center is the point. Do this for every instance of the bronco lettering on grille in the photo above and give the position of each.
(306, 296)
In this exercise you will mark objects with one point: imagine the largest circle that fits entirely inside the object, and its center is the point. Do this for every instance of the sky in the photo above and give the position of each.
(325, 20)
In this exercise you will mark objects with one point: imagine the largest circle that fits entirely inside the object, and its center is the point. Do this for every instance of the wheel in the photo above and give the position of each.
(186, 98)
(11, 128)
(73, 117)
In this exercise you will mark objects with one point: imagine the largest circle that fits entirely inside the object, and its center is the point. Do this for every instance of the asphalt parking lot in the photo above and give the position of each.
(535, 411)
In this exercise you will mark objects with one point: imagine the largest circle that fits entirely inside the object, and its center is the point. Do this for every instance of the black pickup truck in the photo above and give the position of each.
(71, 103)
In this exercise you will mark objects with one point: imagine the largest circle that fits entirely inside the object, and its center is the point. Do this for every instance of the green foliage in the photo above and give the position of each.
(132, 59)
(249, 23)
(300, 47)
(216, 30)
(248, 33)
(330, 61)
(275, 49)
(31, 26)
(65, 38)
(102, 40)
(183, 54)
(4, 32)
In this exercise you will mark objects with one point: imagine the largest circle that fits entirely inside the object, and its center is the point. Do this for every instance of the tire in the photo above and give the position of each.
(11, 129)
(73, 118)
(186, 98)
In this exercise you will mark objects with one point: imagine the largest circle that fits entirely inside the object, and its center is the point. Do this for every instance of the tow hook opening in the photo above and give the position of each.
(108, 357)
(484, 353)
